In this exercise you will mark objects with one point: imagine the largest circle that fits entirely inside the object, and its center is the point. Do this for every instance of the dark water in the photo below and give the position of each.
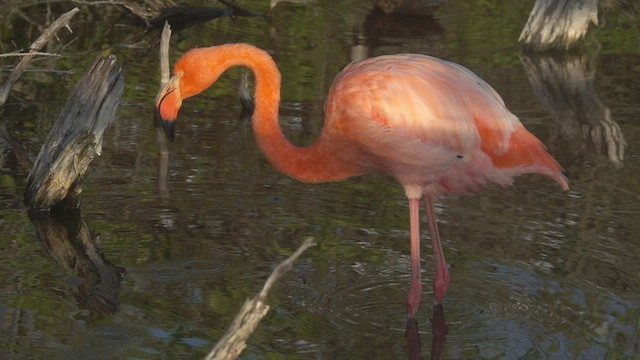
(536, 273)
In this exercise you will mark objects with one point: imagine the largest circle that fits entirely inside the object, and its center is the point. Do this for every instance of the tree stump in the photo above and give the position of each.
(76, 138)
(558, 24)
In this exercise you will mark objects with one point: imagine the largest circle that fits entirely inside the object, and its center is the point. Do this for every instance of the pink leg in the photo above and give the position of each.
(441, 282)
(415, 290)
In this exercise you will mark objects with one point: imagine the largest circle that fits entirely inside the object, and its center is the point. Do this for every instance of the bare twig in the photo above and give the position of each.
(164, 54)
(161, 139)
(31, 53)
(283, 267)
(62, 21)
(234, 340)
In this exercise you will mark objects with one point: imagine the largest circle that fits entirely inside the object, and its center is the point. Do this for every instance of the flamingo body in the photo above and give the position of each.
(433, 125)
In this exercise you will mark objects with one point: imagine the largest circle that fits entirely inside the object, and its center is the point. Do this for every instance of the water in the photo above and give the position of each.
(536, 273)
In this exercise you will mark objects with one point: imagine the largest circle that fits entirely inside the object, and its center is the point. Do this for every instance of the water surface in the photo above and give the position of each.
(536, 273)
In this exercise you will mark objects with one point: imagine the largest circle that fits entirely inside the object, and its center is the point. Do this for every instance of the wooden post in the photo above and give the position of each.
(76, 138)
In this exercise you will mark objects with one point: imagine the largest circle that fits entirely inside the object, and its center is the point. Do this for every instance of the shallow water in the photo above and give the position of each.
(536, 273)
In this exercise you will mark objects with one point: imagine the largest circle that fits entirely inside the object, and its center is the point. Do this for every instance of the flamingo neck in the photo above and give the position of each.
(315, 163)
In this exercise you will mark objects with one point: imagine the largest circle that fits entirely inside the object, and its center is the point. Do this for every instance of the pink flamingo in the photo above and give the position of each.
(433, 125)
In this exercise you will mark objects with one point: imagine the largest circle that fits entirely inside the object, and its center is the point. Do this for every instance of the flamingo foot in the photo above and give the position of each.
(440, 283)
(414, 298)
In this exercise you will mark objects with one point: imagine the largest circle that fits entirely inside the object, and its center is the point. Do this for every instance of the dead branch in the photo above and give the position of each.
(31, 53)
(161, 139)
(165, 40)
(62, 21)
(234, 340)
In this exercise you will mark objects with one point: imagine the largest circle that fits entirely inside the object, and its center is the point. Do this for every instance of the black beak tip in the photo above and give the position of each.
(169, 129)
(167, 125)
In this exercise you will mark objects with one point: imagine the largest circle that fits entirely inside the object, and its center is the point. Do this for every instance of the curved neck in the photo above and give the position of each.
(316, 163)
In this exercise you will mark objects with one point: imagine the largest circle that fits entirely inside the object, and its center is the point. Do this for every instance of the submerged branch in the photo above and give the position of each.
(234, 340)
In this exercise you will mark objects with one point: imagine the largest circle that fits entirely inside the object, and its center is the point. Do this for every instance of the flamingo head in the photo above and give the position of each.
(168, 104)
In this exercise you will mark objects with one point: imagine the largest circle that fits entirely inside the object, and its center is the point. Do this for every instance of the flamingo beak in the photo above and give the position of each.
(168, 103)
(169, 127)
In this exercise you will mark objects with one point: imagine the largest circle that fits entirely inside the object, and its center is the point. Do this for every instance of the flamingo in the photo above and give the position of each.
(433, 125)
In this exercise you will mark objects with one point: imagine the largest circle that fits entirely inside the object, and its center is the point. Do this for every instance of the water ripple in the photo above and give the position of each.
(177, 271)
(511, 311)
(493, 310)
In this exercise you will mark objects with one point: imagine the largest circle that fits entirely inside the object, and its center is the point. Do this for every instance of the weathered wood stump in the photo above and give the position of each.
(76, 138)
(558, 24)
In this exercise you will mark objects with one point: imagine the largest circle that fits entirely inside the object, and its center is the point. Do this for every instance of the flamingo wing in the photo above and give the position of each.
(433, 123)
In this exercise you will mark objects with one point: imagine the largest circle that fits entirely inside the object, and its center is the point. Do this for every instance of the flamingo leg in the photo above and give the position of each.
(415, 290)
(441, 281)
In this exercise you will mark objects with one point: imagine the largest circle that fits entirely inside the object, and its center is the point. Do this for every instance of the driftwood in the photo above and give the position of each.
(234, 340)
(565, 85)
(76, 138)
(69, 241)
(558, 24)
